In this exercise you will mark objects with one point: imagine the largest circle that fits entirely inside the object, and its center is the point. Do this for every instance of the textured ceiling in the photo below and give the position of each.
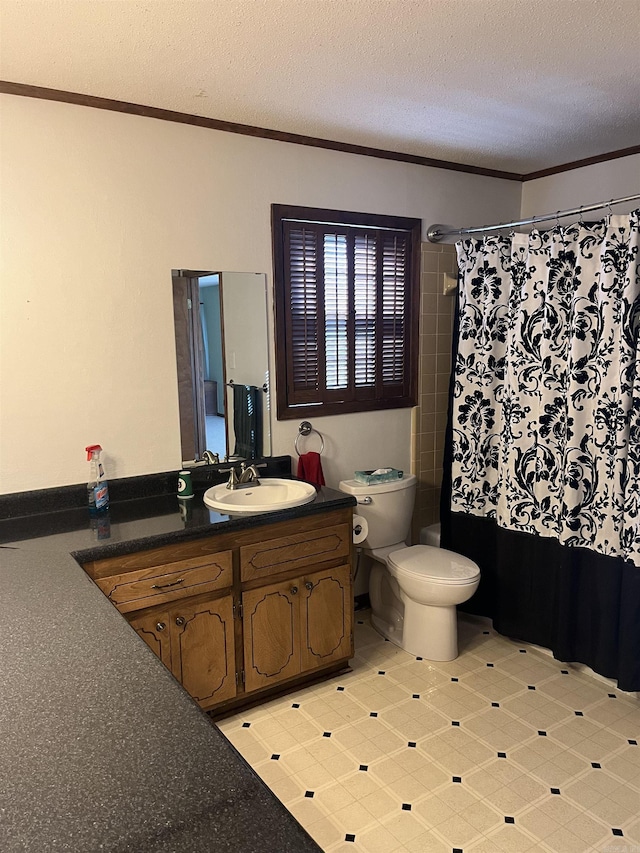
(516, 85)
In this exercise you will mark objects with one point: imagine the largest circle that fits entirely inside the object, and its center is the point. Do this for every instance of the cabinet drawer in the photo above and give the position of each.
(295, 552)
(170, 582)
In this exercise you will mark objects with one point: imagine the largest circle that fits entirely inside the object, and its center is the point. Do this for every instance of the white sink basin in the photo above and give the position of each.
(272, 494)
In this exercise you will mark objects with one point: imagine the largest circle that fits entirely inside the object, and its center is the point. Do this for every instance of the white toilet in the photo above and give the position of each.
(413, 589)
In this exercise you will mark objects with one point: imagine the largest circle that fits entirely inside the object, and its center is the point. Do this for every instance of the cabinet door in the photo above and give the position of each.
(202, 649)
(155, 629)
(327, 617)
(271, 618)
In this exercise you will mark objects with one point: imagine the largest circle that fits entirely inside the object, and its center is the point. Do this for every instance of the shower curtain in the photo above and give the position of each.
(543, 446)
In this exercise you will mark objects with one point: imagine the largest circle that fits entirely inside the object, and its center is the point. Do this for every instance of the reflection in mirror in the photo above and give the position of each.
(222, 364)
(213, 364)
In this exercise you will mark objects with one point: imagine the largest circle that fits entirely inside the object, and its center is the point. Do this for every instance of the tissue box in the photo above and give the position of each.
(369, 477)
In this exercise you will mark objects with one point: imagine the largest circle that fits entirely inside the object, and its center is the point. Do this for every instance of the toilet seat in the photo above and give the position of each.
(435, 564)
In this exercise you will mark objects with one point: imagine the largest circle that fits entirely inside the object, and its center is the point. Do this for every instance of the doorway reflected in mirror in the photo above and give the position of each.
(222, 347)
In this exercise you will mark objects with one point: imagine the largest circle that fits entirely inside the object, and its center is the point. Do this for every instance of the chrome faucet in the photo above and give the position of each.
(249, 474)
(211, 458)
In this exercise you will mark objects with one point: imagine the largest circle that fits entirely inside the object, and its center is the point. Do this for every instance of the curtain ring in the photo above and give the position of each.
(609, 211)
(557, 218)
(580, 219)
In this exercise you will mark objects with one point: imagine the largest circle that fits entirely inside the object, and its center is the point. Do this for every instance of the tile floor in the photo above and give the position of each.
(503, 749)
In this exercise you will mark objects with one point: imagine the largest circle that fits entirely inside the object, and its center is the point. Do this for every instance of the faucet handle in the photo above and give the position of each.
(233, 476)
(249, 464)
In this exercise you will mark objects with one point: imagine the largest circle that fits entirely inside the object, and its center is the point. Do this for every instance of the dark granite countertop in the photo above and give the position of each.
(145, 512)
(138, 523)
(102, 749)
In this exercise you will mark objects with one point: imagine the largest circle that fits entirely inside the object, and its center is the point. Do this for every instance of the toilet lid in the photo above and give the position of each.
(436, 563)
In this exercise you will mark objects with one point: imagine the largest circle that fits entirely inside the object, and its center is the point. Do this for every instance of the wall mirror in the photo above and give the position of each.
(222, 362)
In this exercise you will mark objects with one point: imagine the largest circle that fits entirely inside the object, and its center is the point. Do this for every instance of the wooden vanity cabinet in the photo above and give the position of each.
(297, 626)
(179, 600)
(195, 640)
(242, 613)
(303, 623)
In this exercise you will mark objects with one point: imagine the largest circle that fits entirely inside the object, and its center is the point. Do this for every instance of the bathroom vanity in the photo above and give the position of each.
(107, 749)
(239, 614)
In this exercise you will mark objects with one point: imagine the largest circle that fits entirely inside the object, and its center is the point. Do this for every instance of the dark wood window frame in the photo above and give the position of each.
(347, 302)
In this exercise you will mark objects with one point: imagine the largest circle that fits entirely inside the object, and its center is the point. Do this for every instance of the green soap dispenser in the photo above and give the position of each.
(97, 487)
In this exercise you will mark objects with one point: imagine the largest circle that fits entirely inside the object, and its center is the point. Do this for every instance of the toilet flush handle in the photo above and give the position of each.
(366, 500)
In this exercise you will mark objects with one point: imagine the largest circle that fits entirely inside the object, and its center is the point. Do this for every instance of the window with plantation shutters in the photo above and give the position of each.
(347, 297)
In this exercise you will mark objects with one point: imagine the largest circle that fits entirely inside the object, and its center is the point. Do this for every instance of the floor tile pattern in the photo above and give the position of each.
(504, 750)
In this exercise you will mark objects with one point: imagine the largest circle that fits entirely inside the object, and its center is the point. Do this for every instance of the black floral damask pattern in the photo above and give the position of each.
(546, 416)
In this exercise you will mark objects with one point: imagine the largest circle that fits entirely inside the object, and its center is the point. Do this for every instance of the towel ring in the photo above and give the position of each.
(305, 429)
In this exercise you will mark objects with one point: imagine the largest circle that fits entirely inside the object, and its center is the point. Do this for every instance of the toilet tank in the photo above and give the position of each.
(389, 510)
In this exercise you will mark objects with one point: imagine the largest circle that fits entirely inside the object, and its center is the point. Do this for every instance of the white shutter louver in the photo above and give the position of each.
(365, 304)
(336, 308)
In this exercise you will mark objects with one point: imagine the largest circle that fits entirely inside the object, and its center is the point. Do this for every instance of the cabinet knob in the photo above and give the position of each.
(160, 626)
(294, 590)
(180, 620)
(309, 585)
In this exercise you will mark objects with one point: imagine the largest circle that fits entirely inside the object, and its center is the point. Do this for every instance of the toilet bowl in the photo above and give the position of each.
(413, 589)
(414, 594)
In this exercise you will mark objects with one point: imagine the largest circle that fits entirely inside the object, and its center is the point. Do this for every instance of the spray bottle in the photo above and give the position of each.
(97, 487)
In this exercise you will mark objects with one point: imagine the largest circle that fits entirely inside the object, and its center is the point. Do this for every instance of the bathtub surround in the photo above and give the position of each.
(429, 418)
(544, 442)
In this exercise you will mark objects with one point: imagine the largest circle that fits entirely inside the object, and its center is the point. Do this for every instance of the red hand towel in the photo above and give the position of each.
(310, 468)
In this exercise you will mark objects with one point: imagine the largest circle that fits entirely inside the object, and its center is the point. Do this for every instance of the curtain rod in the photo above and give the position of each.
(435, 232)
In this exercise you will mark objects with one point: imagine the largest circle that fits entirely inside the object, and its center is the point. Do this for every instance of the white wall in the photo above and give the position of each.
(588, 185)
(97, 208)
